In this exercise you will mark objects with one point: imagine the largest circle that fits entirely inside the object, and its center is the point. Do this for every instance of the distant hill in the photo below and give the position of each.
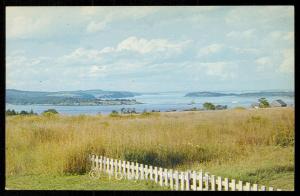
(63, 97)
(254, 94)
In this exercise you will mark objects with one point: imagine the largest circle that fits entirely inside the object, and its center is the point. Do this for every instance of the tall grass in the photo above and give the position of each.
(60, 144)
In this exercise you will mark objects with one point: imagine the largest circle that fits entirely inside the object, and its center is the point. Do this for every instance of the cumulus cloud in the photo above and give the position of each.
(95, 26)
(223, 70)
(144, 46)
(287, 65)
(241, 34)
(263, 63)
(210, 49)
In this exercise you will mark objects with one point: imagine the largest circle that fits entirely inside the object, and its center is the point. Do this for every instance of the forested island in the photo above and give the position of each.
(70, 98)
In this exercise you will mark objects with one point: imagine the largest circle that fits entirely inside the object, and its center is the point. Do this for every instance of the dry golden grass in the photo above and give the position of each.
(258, 139)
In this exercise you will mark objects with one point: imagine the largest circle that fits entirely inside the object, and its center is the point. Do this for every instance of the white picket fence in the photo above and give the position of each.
(175, 180)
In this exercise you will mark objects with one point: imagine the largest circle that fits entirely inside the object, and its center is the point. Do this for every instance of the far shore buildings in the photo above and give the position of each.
(278, 103)
(275, 103)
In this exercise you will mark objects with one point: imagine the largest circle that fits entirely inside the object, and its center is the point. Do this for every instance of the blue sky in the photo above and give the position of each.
(148, 49)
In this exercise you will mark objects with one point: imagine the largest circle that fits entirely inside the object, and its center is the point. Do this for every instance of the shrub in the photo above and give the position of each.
(49, 112)
(263, 103)
(114, 113)
(209, 106)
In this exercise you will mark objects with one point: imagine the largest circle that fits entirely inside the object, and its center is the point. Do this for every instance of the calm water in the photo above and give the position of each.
(161, 101)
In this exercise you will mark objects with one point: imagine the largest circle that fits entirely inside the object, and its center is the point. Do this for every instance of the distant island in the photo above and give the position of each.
(70, 98)
(254, 94)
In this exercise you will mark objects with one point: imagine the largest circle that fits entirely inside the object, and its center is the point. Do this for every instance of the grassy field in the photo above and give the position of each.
(249, 145)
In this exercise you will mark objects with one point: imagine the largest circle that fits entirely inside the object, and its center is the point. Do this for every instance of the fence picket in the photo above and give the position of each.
(97, 163)
(219, 183)
(101, 162)
(233, 185)
(271, 189)
(104, 164)
(142, 171)
(171, 179)
(254, 187)
(151, 172)
(213, 182)
(247, 187)
(160, 173)
(200, 188)
(226, 184)
(206, 182)
(146, 172)
(194, 179)
(165, 174)
(155, 174)
(181, 177)
(263, 188)
(176, 178)
(187, 180)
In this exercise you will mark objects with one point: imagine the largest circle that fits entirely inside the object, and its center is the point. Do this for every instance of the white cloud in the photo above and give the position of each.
(253, 15)
(144, 46)
(24, 27)
(221, 69)
(241, 34)
(263, 63)
(287, 65)
(245, 50)
(102, 16)
(289, 36)
(95, 26)
(210, 49)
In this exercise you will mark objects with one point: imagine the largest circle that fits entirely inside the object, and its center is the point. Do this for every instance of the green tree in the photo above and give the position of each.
(11, 112)
(114, 113)
(209, 106)
(263, 103)
(23, 112)
(50, 112)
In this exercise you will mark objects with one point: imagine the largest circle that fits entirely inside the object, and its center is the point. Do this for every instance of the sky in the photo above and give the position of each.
(150, 48)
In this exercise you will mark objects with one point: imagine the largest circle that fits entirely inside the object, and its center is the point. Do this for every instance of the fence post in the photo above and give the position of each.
(171, 179)
(165, 174)
(176, 180)
(187, 182)
(160, 176)
(182, 180)
(219, 183)
(226, 184)
(200, 176)
(194, 177)
(142, 171)
(146, 172)
(155, 174)
(213, 183)
(263, 188)
(233, 185)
